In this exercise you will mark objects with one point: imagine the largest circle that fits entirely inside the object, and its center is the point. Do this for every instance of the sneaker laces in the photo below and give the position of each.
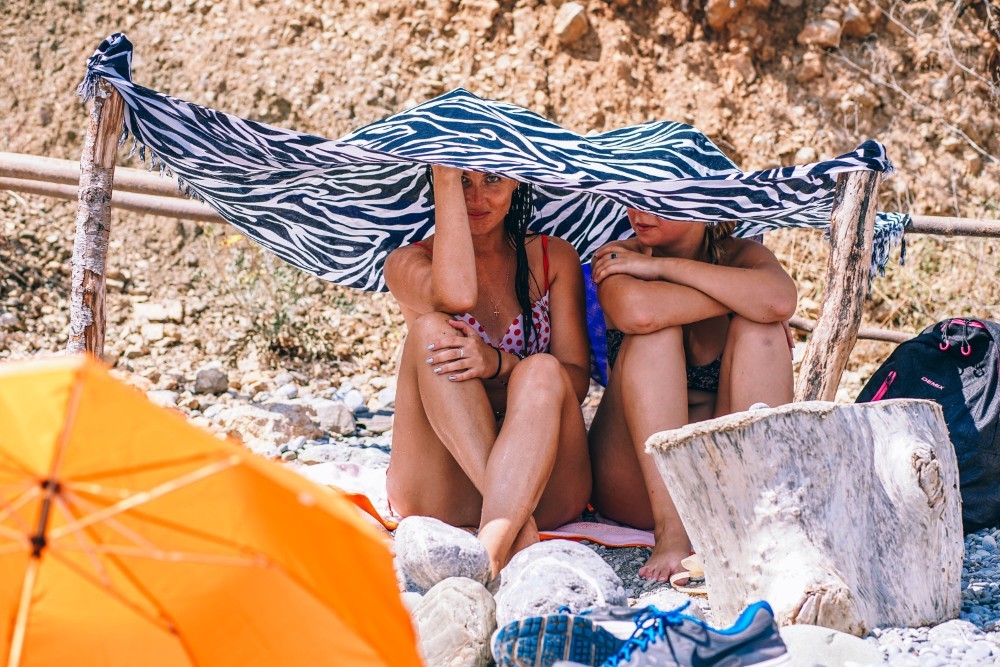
(651, 625)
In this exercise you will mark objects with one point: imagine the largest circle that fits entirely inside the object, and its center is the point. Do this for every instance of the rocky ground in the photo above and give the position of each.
(303, 370)
(340, 434)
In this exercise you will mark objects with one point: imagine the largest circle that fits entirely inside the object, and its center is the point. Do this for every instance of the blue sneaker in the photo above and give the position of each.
(672, 639)
(541, 641)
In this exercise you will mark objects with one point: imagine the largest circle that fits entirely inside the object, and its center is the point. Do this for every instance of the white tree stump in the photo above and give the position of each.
(845, 516)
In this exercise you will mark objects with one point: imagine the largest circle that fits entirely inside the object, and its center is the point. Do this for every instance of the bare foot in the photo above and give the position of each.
(495, 536)
(666, 560)
(525, 538)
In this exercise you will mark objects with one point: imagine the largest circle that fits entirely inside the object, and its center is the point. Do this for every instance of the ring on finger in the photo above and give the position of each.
(614, 255)
(461, 353)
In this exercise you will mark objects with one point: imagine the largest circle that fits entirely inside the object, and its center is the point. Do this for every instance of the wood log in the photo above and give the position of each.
(852, 227)
(171, 207)
(93, 223)
(864, 333)
(845, 516)
(56, 170)
(945, 226)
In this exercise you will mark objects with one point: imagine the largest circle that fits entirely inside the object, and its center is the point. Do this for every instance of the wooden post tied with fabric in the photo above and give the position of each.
(93, 223)
(852, 228)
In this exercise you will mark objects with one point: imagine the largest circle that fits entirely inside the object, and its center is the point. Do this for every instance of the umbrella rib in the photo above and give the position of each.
(113, 523)
(163, 622)
(9, 510)
(72, 407)
(15, 465)
(95, 562)
(145, 549)
(144, 497)
(174, 556)
(21, 624)
(30, 493)
(148, 467)
(184, 530)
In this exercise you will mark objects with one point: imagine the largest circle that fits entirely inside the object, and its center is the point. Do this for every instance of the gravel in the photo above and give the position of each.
(973, 639)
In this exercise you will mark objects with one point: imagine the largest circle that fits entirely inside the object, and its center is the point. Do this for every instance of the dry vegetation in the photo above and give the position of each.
(925, 81)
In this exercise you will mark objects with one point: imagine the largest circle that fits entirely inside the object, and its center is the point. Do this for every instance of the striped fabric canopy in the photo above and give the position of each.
(337, 208)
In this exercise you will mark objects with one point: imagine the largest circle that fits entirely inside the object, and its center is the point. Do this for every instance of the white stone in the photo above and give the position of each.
(276, 423)
(428, 551)
(152, 331)
(387, 397)
(163, 397)
(168, 311)
(805, 155)
(454, 623)
(555, 573)
(354, 399)
(815, 646)
(332, 416)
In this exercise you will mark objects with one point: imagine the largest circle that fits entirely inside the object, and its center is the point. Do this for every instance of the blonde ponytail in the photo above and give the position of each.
(715, 234)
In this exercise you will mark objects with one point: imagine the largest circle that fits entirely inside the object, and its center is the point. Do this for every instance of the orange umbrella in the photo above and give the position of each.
(130, 537)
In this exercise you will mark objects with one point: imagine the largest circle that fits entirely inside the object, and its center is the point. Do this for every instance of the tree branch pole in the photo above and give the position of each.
(170, 207)
(852, 227)
(93, 223)
(864, 333)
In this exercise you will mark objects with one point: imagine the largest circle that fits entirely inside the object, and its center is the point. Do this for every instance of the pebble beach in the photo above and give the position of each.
(341, 435)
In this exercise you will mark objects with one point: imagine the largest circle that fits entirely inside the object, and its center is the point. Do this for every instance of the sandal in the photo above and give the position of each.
(694, 573)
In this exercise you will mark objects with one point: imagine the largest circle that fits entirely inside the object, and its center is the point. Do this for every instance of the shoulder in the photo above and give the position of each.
(406, 255)
(747, 253)
(562, 255)
(561, 250)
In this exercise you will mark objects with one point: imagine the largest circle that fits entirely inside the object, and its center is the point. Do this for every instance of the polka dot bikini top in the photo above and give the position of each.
(513, 338)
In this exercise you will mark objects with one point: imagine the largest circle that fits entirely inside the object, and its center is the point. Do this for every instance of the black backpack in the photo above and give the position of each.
(955, 363)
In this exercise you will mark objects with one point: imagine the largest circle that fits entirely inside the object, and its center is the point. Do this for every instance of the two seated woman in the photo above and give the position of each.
(488, 429)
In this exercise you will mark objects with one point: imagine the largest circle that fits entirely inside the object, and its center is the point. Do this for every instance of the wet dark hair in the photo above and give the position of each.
(515, 225)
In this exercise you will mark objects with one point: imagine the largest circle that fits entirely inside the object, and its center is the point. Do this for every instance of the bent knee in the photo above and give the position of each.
(429, 327)
(759, 333)
(539, 373)
(655, 340)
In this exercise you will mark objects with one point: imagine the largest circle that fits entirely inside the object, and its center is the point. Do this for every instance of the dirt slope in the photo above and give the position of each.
(921, 77)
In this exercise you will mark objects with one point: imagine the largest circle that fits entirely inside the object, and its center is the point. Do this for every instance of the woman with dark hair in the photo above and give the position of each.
(488, 429)
(695, 330)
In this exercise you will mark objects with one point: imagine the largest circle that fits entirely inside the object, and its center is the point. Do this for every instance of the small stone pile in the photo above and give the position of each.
(445, 574)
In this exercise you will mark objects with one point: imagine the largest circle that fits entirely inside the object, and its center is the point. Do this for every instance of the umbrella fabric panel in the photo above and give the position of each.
(32, 414)
(337, 208)
(120, 438)
(73, 621)
(310, 533)
(241, 616)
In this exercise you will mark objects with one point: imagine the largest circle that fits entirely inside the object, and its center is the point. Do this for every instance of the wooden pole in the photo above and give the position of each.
(171, 207)
(864, 333)
(55, 170)
(852, 227)
(93, 223)
(932, 224)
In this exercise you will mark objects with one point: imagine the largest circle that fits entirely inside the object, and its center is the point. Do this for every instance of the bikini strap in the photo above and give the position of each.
(545, 259)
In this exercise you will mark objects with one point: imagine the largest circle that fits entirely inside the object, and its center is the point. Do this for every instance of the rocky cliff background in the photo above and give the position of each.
(771, 82)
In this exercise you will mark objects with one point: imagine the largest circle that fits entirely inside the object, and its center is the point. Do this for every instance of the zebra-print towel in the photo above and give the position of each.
(337, 208)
